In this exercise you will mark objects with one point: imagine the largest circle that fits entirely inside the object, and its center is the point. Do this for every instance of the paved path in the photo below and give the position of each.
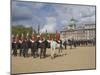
(78, 58)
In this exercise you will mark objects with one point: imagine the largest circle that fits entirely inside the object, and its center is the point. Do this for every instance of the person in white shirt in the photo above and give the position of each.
(53, 47)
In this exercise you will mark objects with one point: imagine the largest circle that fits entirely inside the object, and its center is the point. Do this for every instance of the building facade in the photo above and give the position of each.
(86, 32)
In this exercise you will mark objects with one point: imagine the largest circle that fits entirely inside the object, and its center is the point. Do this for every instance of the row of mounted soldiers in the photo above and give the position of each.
(24, 43)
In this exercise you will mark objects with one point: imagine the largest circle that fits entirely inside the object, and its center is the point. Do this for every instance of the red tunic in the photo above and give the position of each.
(50, 37)
(57, 36)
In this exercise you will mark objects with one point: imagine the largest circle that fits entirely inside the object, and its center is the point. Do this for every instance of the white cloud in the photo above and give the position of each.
(66, 12)
(50, 25)
(88, 19)
(35, 14)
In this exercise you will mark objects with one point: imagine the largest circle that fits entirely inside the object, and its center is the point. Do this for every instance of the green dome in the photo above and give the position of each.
(72, 21)
(72, 24)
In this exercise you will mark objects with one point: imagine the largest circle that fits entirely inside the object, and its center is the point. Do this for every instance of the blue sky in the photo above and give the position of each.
(50, 16)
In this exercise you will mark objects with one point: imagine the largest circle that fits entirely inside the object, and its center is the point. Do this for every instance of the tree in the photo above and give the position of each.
(19, 29)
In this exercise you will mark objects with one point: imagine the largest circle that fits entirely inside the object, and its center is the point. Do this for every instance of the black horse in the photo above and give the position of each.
(34, 48)
(43, 45)
(14, 47)
(72, 43)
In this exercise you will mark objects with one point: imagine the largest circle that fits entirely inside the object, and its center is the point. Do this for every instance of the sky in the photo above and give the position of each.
(50, 16)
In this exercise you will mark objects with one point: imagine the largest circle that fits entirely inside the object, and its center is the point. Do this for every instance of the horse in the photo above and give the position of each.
(34, 48)
(15, 47)
(43, 45)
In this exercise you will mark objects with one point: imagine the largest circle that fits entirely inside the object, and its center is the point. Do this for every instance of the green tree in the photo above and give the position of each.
(19, 29)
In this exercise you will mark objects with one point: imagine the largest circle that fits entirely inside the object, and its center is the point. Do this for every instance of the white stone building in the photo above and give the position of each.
(82, 32)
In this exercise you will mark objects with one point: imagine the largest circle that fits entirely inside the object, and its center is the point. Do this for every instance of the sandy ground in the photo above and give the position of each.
(71, 59)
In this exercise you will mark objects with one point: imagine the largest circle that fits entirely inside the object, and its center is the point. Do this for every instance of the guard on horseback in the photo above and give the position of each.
(16, 41)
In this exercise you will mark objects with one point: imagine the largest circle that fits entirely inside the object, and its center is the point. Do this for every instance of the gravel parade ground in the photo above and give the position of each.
(70, 59)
